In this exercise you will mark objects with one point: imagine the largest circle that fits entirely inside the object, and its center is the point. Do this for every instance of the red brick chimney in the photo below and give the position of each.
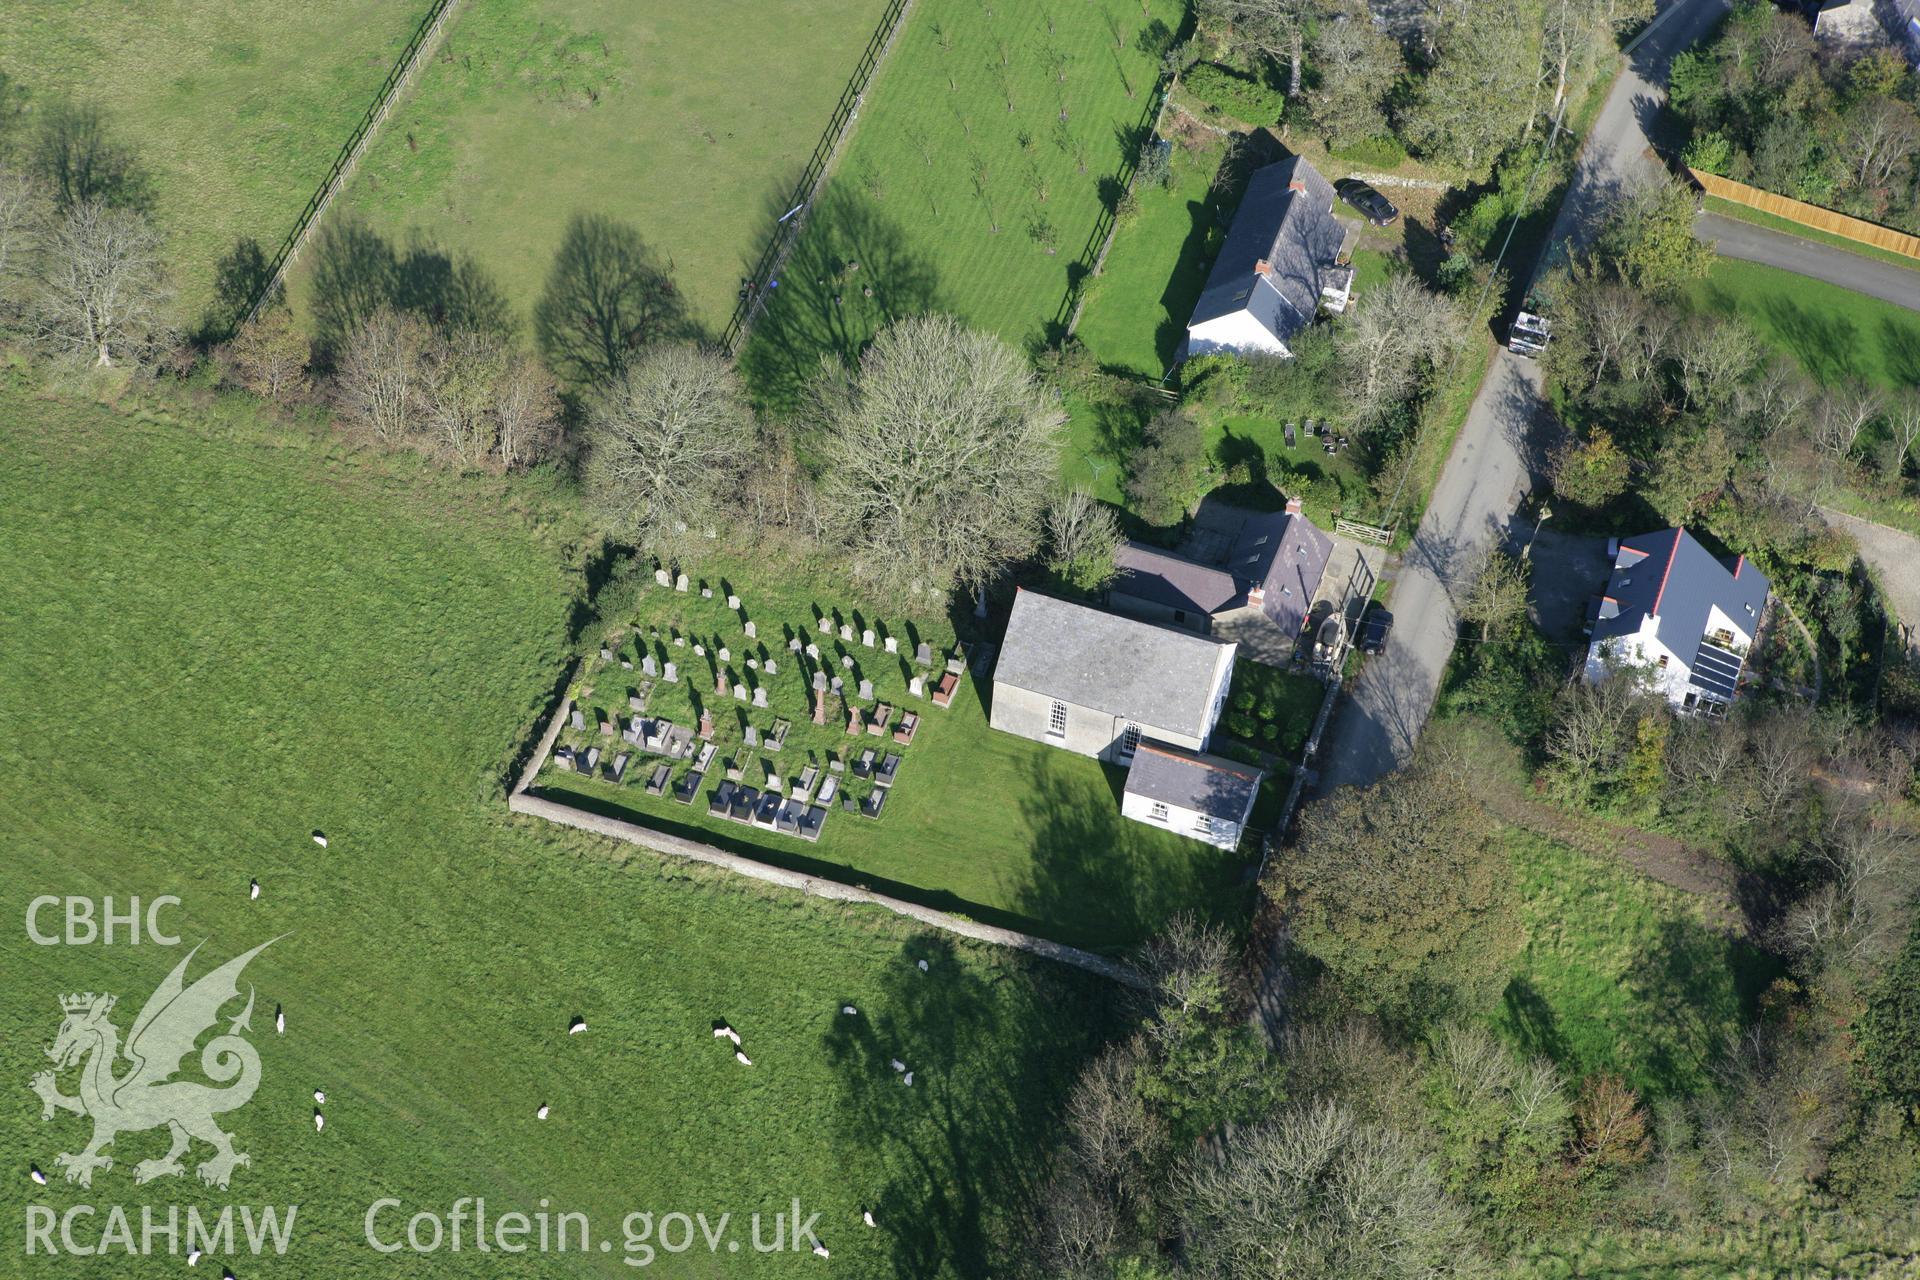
(1263, 268)
(1298, 184)
(1293, 506)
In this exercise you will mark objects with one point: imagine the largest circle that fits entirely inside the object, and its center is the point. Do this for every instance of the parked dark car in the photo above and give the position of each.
(1375, 624)
(1367, 202)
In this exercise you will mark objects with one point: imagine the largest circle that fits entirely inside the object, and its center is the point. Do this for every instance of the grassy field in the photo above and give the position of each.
(236, 110)
(1832, 332)
(221, 637)
(982, 823)
(1620, 974)
(541, 109)
(972, 181)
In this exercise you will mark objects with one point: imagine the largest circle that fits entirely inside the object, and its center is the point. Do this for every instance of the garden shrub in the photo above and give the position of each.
(1235, 93)
(1381, 152)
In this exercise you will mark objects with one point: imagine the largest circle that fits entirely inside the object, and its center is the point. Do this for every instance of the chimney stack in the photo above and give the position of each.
(1263, 268)
(1293, 506)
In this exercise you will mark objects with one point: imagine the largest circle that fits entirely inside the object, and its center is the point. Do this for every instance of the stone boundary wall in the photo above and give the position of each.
(520, 801)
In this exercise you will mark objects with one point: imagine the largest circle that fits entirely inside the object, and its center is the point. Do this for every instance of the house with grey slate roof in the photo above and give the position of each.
(1274, 567)
(1206, 797)
(1279, 263)
(1098, 684)
(1676, 611)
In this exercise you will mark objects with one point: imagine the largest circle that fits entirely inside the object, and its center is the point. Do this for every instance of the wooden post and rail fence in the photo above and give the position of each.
(1857, 230)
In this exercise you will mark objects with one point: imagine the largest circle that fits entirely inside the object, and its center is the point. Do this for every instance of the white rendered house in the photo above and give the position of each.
(1676, 612)
(1279, 265)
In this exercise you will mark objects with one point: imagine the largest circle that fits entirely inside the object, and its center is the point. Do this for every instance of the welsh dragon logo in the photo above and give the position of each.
(146, 1095)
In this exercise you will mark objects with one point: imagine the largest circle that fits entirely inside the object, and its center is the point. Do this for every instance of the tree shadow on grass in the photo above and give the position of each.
(607, 296)
(1534, 1024)
(1828, 346)
(1111, 876)
(1900, 350)
(993, 1054)
(1695, 986)
(357, 271)
(850, 274)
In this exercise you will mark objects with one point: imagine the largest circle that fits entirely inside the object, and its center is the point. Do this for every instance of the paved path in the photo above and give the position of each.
(1874, 277)
(1488, 468)
(1894, 557)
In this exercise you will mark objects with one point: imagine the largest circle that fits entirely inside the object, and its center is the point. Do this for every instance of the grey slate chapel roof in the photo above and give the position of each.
(1678, 581)
(1158, 677)
(1294, 232)
(1191, 780)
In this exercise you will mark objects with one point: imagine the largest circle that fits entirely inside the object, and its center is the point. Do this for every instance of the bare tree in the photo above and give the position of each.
(25, 214)
(1715, 358)
(526, 412)
(664, 438)
(1497, 596)
(1903, 421)
(1400, 328)
(1313, 1192)
(459, 393)
(1357, 65)
(1880, 138)
(941, 453)
(269, 356)
(1277, 29)
(102, 286)
(1082, 537)
(1843, 413)
(382, 373)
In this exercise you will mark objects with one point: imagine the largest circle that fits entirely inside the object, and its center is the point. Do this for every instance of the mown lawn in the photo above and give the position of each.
(1620, 974)
(982, 823)
(985, 151)
(237, 110)
(223, 636)
(651, 114)
(1832, 332)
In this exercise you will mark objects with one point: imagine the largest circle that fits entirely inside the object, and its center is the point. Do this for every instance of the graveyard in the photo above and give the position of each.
(855, 745)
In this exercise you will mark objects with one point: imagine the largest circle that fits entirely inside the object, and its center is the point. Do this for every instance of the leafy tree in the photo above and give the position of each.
(1689, 473)
(1358, 66)
(665, 435)
(1591, 472)
(1496, 598)
(1400, 890)
(1502, 1122)
(941, 452)
(1275, 29)
(1166, 470)
(1648, 238)
(1463, 108)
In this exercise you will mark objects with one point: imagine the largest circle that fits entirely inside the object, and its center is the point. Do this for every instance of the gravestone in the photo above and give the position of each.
(679, 641)
(739, 693)
(838, 686)
(924, 654)
(680, 583)
(706, 593)
(794, 645)
(606, 654)
(662, 577)
(760, 696)
(773, 668)
(706, 724)
(648, 665)
(579, 719)
(720, 685)
(917, 687)
(813, 651)
(753, 632)
(753, 736)
(636, 702)
(753, 664)
(733, 602)
(866, 637)
(626, 664)
(819, 706)
(819, 681)
(671, 674)
(866, 690)
(699, 651)
(846, 663)
(846, 633)
(956, 666)
(726, 654)
(892, 645)
(826, 623)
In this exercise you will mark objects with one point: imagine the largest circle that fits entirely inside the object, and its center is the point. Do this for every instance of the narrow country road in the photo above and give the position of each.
(1874, 277)
(1488, 470)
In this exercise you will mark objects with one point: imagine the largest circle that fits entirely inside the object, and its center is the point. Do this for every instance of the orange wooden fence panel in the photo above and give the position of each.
(1809, 215)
